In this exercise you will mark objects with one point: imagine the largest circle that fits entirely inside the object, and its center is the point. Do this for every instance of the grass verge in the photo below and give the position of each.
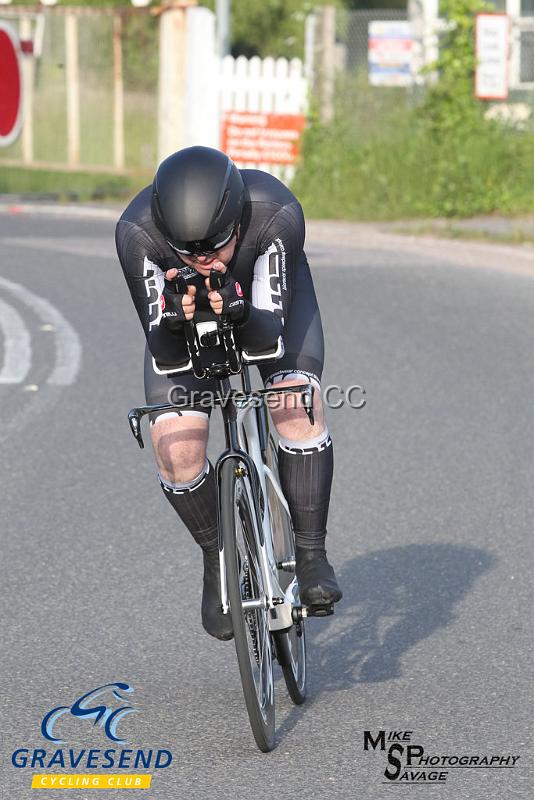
(451, 231)
(380, 158)
(70, 186)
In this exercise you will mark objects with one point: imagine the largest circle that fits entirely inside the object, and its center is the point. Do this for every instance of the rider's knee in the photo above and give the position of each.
(289, 416)
(180, 446)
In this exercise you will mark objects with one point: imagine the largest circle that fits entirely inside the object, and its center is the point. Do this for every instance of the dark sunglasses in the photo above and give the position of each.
(205, 247)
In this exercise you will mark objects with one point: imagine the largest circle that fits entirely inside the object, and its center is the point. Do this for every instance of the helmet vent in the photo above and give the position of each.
(220, 210)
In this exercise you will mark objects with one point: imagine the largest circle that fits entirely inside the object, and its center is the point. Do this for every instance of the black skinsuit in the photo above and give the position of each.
(269, 263)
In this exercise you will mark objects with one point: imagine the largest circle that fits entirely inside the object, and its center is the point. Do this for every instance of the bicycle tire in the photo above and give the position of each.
(290, 644)
(291, 654)
(251, 629)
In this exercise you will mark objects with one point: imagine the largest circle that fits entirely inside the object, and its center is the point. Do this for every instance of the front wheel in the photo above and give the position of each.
(244, 580)
(290, 644)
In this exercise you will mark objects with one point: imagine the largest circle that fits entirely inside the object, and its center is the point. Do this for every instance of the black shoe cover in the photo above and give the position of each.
(317, 581)
(214, 621)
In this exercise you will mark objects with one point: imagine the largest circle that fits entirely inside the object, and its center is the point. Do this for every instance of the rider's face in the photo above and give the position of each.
(203, 264)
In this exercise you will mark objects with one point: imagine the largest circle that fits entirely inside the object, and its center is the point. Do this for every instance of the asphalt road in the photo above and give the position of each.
(430, 529)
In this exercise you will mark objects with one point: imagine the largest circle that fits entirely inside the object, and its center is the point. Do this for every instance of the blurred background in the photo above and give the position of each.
(409, 109)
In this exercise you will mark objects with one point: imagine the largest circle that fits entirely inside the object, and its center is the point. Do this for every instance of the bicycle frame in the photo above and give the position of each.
(247, 436)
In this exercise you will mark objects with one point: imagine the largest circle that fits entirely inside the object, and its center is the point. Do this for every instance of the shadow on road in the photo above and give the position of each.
(391, 600)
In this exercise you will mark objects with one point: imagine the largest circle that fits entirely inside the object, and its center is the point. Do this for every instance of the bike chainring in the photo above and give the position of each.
(246, 594)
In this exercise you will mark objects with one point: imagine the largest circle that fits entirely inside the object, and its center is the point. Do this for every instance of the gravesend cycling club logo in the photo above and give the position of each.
(104, 708)
(408, 762)
(106, 716)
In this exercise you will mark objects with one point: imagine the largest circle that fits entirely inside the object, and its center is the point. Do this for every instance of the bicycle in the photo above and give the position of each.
(259, 588)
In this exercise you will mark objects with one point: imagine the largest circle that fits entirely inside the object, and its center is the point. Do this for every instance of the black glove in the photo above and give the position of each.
(234, 306)
(173, 315)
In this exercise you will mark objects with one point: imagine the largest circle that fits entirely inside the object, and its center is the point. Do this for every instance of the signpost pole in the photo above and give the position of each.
(28, 67)
(327, 65)
(118, 94)
(172, 80)
(73, 89)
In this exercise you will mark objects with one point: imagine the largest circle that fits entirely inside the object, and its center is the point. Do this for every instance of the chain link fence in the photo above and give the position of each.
(339, 54)
(338, 63)
(526, 52)
(352, 35)
(92, 87)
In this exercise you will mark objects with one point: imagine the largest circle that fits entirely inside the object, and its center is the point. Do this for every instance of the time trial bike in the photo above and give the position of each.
(259, 588)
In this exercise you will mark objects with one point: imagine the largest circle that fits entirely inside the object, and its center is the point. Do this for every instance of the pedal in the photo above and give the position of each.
(299, 613)
(320, 611)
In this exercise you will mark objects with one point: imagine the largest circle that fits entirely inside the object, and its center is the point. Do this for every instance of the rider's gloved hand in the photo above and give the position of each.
(177, 303)
(228, 299)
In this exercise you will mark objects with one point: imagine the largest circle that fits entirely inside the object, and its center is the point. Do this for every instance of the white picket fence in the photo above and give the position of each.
(195, 88)
(215, 86)
(264, 85)
(268, 85)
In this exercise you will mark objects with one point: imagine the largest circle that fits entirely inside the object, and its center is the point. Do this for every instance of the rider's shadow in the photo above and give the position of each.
(392, 599)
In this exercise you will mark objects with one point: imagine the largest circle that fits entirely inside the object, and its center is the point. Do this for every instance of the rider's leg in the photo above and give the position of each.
(305, 455)
(188, 482)
(306, 465)
(305, 460)
(185, 475)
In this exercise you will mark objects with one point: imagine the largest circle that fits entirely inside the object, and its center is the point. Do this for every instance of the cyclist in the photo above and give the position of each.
(202, 213)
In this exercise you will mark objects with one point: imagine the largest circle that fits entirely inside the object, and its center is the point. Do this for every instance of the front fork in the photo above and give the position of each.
(280, 604)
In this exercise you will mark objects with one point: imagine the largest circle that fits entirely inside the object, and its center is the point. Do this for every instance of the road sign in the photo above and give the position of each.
(10, 85)
(492, 49)
(390, 53)
(249, 136)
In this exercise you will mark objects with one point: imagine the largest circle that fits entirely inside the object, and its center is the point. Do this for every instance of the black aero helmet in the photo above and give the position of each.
(197, 199)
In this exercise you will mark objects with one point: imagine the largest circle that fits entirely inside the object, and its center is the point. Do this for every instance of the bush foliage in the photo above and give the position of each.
(387, 156)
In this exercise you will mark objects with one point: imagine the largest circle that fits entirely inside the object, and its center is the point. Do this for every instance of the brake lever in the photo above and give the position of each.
(134, 418)
(307, 402)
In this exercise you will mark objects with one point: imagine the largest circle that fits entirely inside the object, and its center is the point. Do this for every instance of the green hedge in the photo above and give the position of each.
(427, 152)
(68, 185)
(403, 170)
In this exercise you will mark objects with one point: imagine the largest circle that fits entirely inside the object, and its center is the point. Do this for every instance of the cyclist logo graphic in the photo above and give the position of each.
(104, 715)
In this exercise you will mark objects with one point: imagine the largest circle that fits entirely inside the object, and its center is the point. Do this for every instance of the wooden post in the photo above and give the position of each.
(118, 94)
(28, 67)
(73, 89)
(327, 61)
(172, 80)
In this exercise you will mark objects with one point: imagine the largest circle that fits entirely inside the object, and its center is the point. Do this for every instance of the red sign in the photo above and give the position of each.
(262, 138)
(10, 85)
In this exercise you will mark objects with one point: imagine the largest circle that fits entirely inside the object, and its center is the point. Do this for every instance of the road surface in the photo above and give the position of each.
(431, 528)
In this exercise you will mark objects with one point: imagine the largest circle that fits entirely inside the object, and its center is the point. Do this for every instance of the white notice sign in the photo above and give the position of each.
(390, 53)
(491, 77)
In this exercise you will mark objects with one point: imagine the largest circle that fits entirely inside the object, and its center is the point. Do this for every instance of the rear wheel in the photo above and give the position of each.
(245, 583)
(290, 644)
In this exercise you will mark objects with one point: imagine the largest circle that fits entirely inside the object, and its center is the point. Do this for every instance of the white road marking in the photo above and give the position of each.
(17, 345)
(67, 341)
